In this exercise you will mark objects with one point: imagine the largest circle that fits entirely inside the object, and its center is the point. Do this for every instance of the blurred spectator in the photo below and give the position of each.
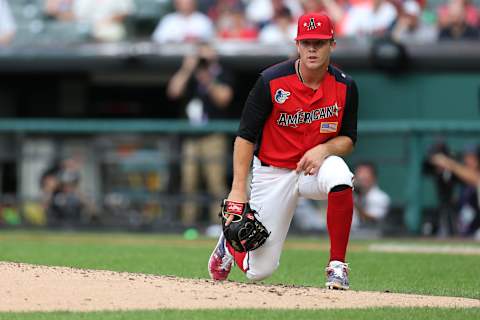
(442, 221)
(309, 6)
(310, 216)
(62, 198)
(371, 203)
(49, 184)
(472, 15)
(232, 25)
(468, 202)
(204, 6)
(456, 26)
(369, 18)
(59, 9)
(218, 7)
(262, 11)
(207, 90)
(467, 172)
(281, 30)
(336, 10)
(409, 27)
(104, 19)
(464, 172)
(186, 24)
(7, 24)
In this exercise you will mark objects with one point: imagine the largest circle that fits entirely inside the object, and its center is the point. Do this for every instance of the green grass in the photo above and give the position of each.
(364, 314)
(302, 263)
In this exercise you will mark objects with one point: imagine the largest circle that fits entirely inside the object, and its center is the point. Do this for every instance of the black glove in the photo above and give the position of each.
(245, 232)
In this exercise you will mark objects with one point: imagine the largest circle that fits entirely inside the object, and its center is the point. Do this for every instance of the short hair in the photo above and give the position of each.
(472, 149)
(368, 164)
(283, 12)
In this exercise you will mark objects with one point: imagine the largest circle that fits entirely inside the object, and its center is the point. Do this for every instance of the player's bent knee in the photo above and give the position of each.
(340, 187)
(257, 275)
(337, 172)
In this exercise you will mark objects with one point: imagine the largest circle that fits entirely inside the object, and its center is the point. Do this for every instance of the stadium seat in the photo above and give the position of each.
(146, 16)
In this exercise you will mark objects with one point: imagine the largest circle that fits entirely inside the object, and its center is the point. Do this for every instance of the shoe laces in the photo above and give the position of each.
(226, 259)
(339, 269)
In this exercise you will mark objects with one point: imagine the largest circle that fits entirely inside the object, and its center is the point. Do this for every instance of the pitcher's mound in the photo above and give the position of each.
(26, 287)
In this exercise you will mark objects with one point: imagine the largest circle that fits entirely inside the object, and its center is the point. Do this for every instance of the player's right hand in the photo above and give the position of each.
(312, 160)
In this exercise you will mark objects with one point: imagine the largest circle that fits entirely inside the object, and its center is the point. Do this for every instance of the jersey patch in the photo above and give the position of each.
(281, 96)
(327, 127)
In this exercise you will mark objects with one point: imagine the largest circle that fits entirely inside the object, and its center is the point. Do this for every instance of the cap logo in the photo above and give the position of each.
(312, 25)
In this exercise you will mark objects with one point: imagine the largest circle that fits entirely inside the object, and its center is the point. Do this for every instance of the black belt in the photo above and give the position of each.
(264, 164)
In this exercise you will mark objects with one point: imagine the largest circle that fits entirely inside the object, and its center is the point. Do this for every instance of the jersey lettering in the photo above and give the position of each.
(293, 120)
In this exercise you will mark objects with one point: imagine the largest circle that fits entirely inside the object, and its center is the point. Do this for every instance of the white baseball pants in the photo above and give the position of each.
(274, 195)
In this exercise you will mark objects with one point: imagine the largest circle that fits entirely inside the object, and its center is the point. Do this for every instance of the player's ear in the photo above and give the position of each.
(333, 44)
(298, 46)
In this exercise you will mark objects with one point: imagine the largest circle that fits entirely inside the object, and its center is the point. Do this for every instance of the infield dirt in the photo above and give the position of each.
(28, 287)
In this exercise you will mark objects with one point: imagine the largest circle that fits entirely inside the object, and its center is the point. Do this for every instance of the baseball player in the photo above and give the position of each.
(299, 119)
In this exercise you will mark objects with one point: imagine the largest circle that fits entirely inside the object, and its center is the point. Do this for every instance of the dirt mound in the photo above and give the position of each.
(40, 288)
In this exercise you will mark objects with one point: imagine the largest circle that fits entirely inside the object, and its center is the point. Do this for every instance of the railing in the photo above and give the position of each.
(413, 130)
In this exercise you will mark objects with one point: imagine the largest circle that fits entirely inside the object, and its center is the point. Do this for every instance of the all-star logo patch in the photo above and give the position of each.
(281, 96)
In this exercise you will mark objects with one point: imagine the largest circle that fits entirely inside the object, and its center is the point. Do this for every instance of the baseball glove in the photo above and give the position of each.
(245, 232)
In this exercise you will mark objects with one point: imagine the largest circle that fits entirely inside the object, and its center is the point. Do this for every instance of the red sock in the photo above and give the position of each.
(239, 257)
(339, 221)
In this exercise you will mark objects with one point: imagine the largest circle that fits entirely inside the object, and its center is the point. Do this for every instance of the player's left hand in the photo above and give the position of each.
(312, 160)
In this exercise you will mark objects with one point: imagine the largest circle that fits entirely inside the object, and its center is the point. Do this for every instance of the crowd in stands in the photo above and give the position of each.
(266, 21)
(7, 23)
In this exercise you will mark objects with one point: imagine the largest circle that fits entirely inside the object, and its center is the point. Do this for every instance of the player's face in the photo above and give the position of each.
(315, 53)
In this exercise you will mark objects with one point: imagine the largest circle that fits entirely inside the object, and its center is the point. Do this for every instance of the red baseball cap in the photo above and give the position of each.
(314, 26)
